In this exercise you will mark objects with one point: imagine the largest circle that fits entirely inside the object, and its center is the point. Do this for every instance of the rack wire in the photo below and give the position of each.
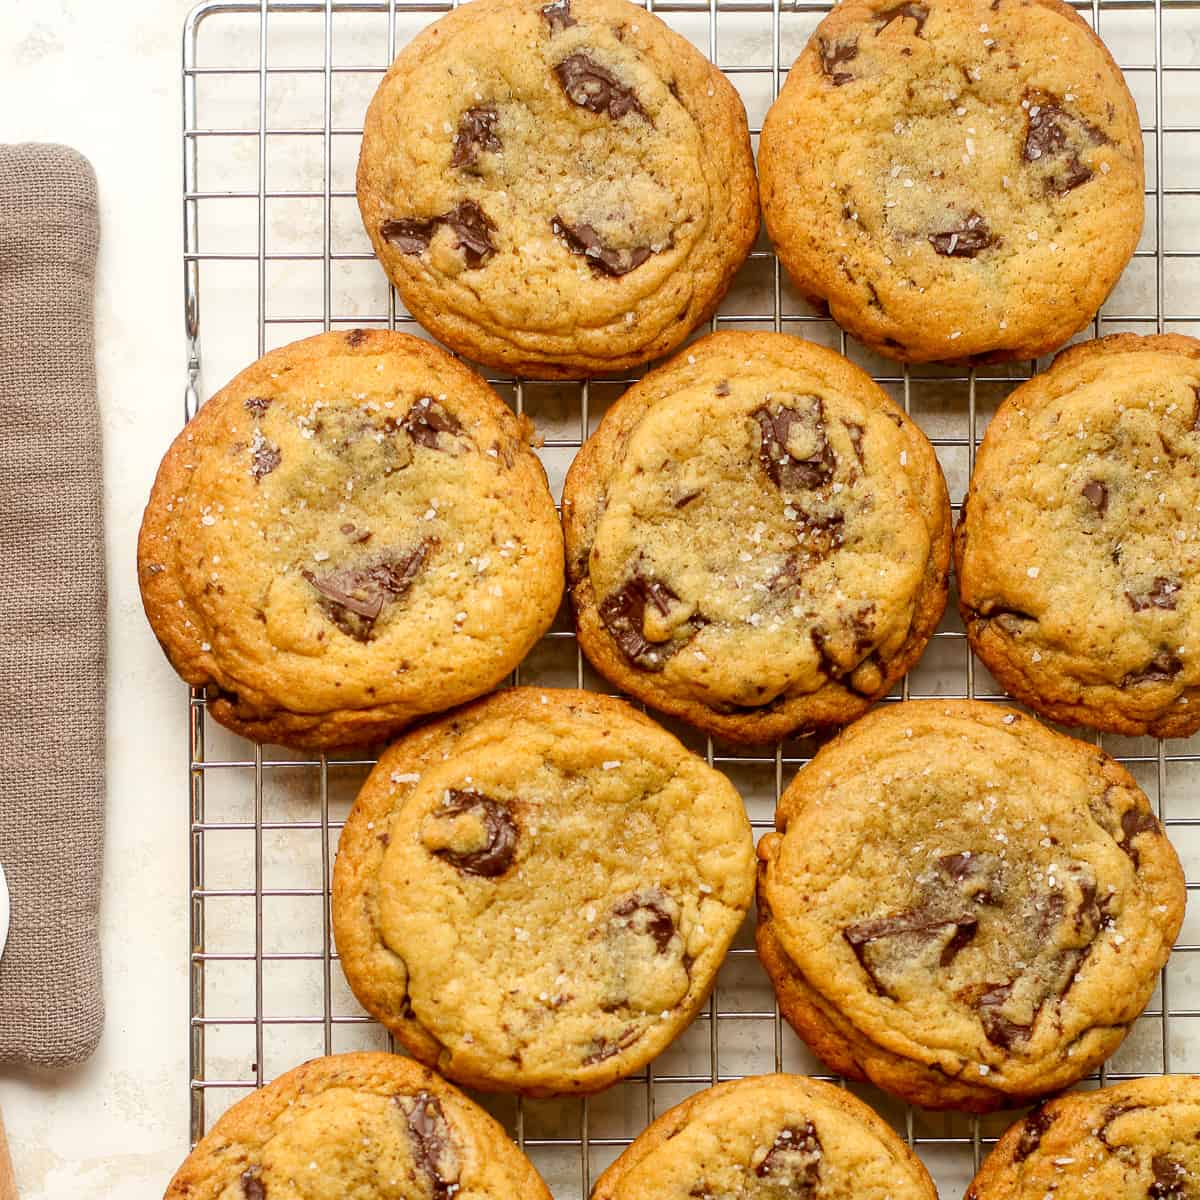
(273, 95)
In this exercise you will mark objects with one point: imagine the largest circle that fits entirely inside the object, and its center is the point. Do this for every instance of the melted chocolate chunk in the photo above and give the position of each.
(833, 55)
(356, 337)
(602, 1047)
(476, 135)
(354, 597)
(645, 912)
(794, 1161)
(558, 16)
(913, 11)
(623, 615)
(253, 1187)
(997, 1028)
(264, 456)
(432, 1148)
(1135, 822)
(256, 405)
(1170, 1179)
(497, 854)
(589, 85)
(970, 238)
(426, 419)
(1054, 133)
(1195, 419)
(777, 427)
(1163, 667)
(604, 260)
(1096, 494)
(1033, 1129)
(1161, 595)
(470, 223)
(940, 914)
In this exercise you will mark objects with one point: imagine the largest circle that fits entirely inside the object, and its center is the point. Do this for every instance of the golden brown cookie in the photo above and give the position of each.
(535, 893)
(357, 1125)
(957, 179)
(1078, 551)
(963, 907)
(770, 1137)
(351, 534)
(758, 539)
(1137, 1141)
(560, 189)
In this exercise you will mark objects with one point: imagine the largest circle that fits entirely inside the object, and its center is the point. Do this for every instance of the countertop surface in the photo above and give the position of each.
(104, 78)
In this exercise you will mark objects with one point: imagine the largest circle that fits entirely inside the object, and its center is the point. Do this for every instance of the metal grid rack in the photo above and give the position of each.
(273, 93)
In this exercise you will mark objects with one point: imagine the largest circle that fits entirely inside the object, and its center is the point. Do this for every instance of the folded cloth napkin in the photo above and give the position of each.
(52, 608)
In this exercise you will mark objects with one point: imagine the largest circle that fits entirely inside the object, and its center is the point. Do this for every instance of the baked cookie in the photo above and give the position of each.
(1135, 1141)
(351, 534)
(957, 179)
(758, 539)
(535, 893)
(963, 907)
(767, 1138)
(557, 189)
(1078, 551)
(361, 1125)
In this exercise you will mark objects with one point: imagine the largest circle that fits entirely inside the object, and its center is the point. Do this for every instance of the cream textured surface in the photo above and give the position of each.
(106, 79)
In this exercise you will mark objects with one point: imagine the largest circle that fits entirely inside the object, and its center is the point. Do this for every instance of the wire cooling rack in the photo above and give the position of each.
(273, 96)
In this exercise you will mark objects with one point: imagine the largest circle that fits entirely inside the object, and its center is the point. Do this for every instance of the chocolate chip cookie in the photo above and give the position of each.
(557, 189)
(535, 893)
(1137, 1141)
(963, 907)
(758, 539)
(362, 1125)
(350, 535)
(768, 1138)
(1078, 552)
(956, 179)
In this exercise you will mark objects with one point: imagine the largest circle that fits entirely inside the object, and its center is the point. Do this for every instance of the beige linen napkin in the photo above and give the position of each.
(52, 606)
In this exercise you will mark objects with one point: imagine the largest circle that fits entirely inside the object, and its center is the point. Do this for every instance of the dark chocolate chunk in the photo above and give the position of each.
(1170, 1180)
(794, 1161)
(426, 419)
(1196, 418)
(833, 54)
(409, 235)
(970, 237)
(687, 498)
(997, 1028)
(354, 597)
(1136, 821)
(913, 11)
(1161, 595)
(645, 912)
(476, 134)
(978, 875)
(1164, 666)
(589, 85)
(1057, 135)
(1033, 1129)
(604, 260)
(256, 405)
(470, 223)
(1111, 1113)
(623, 613)
(253, 1187)
(602, 1047)
(1096, 494)
(777, 426)
(923, 923)
(558, 16)
(497, 854)
(356, 337)
(264, 456)
(432, 1147)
